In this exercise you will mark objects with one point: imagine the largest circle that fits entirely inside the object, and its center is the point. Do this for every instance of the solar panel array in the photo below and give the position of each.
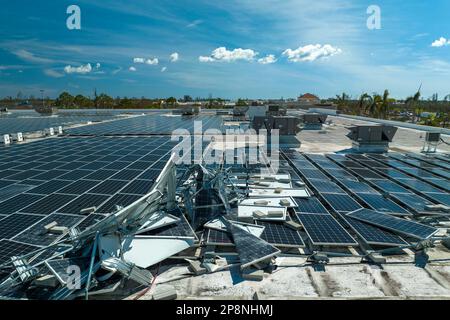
(57, 178)
(32, 123)
(149, 124)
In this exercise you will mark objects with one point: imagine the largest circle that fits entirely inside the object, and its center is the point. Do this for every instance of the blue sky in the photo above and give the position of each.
(272, 49)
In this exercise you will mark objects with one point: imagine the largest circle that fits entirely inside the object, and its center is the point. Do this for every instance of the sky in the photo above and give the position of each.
(230, 49)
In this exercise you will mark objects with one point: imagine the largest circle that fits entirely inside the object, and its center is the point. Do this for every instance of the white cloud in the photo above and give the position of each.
(163, 69)
(441, 42)
(174, 57)
(267, 59)
(153, 61)
(83, 69)
(132, 69)
(53, 73)
(311, 52)
(194, 23)
(30, 57)
(222, 54)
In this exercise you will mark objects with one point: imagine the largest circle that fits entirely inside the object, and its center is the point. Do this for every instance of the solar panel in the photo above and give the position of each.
(82, 202)
(418, 185)
(412, 201)
(341, 202)
(60, 267)
(366, 173)
(388, 186)
(18, 202)
(324, 229)
(9, 248)
(79, 187)
(357, 186)
(443, 198)
(373, 235)
(50, 187)
(340, 174)
(325, 186)
(122, 200)
(379, 203)
(279, 235)
(75, 175)
(109, 187)
(310, 205)
(219, 238)
(250, 248)
(101, 174)
(150, 174)
(139, 187)
(48, 204)
(15, 223)
(126, 174)
(313, 174)
(394, 224)
(13, 190)
(37, 234)
(48, 175)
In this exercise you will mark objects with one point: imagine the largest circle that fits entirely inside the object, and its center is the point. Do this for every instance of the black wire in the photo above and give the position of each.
(443, 141)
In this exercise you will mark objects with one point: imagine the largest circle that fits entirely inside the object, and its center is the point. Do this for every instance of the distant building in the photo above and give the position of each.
(308, 99)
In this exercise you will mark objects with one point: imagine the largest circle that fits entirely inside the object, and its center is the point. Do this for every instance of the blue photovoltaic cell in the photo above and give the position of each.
(341, 202)
(443, 198)
(357, 186)
(18, 202)
(412, 201)
(310, 205)
(395, 224)
(323, 229)
(277, 234)
(389, 186)
(379, 203)
(374, 235)
(325, 186)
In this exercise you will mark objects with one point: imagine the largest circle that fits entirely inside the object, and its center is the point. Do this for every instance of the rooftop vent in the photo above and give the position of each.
(371, 139)
(313, 121)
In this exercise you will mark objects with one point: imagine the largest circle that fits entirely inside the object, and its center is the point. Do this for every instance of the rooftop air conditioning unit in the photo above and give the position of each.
(6, 139)
(371, 139)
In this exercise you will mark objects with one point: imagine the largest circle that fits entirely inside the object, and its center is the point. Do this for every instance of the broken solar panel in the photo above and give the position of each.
(15, 223)
(250, 248)
(397, 225)
(341, 202)
(279, 235)
(9, 248)
(89, 221)
(37, 234)
(83, 202)
(180, 229)
(60, 267)
(373, 235)
(121, 200)
(324, 229)
(219, 238)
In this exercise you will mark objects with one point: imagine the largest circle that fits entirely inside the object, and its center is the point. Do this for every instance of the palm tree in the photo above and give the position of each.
(342, 100)
(384, 107)
(364, 100)
(411, 102)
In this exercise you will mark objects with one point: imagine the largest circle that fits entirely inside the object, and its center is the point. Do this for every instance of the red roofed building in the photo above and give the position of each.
(309, 99)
